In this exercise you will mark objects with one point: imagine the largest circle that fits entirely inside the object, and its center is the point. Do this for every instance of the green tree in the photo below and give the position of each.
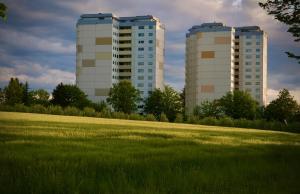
(287, 12)
(238, 104)
(40, 96)
(283, 108)
(27, 98)
(172, 103)
(2, 96)
(14, 92)
(69, 95)
(3, 10)
(124, 97)
(208, 109)
(154, 103)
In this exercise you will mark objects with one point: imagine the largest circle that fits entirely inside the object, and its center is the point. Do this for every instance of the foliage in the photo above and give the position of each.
(135, 116)
(40, 96)
(178, 118)
(171, 102)
(72, 111)
(163, 118)
(100, 106)
(124, 97)
(69, 95)
(119, 115)
(238, 104)
(208, 109)
(89, 112)
(14, 92)
(282, 108)
(38, 108)
(3, 10)
(150, 117)
(154, 103)
(287, 12)
(2, 96)
(55, 110)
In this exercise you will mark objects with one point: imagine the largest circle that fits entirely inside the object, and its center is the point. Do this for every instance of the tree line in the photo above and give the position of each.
(124, 101)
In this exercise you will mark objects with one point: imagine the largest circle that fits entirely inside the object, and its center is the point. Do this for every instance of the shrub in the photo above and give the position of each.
(226, 121)
(178, 118)
(8, 108)
(38, 108)
(136, 117)
(119, 115)
(55, 110)
(89, 112)
(209, 121)
(150, 117)
(192, 119)
(163, 118)
(72, 111)
(20, 108)
(105, 113)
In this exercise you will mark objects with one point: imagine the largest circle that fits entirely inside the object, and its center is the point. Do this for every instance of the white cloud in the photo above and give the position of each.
(28, 41)
(43, 75)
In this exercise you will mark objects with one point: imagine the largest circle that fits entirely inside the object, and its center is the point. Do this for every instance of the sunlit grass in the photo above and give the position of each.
(64, 154)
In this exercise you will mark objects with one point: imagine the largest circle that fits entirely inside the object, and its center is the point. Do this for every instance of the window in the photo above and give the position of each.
(257, 83)
(248, 37)
(248, 76)
(248, 63)
(140, 63)
(257, 50)
(150, 70)
(248, 90)
(257, 43)
(248, 43)
(257, 70)
(258, 36)
(150, 63)
(150, 55)
(141, 42)
(150, 27)
(141, 34)
(257, 56)
(248, 50)
(257, 76)
(257, 63)
(140, 77)
(150, 34)
(141, 27)
(140, 56)
(141, 70)
(247, 83)
(150, 85)
(150, 49)
(257, 89)
(140, 85)
(248, 70)
(248, 57)
(150, 41)
(150, 77)
(141, 49)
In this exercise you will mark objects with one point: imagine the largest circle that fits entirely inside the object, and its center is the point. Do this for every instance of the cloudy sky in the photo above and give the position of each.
(37, 42)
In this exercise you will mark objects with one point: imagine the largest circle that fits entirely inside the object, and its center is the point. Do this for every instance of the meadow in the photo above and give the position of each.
(42, 153)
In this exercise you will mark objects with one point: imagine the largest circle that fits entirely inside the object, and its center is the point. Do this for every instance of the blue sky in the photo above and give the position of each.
(37, 42)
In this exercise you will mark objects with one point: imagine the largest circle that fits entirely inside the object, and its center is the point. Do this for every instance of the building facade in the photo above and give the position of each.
(220, 59)
(110, 49)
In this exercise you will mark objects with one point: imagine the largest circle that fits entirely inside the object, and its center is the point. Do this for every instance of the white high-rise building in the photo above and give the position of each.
(110, 49)
(220, 59)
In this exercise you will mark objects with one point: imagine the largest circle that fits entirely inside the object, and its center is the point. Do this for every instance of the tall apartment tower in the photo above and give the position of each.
(220, 59)
(110, 49)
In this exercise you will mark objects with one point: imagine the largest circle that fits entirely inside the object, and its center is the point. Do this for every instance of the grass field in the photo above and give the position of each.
(64, 154)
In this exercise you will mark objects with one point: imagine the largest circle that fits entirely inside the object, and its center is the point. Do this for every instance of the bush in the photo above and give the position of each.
(242, 123)
(89, 112)
(192, 119)
(163, 118)
(20, 108)
(7, 108)
(178, 118)
(136, 117)
(37, 108)
(226, 121)
(55, 110)
(105, 113)
(150, 117)
(119, 115)
(209, 121)
(72, 111)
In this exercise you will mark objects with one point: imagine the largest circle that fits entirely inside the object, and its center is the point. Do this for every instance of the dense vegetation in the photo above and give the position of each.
(60, 154)
(235, 109)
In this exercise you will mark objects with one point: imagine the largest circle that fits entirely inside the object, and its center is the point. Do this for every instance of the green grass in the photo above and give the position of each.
(63, 154)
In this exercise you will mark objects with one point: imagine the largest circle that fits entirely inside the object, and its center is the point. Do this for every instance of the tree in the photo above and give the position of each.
(154, 103)
(27, 99)
(283, 108)
(124, 97)
(287, 12)
(208, 109)
(40, 96)
(3, 10)
(69, 95)
(2, 96)
(172, 103)
(14, 92)
(238, 104)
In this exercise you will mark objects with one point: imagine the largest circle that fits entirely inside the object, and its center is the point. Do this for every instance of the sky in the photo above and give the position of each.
(37, 42)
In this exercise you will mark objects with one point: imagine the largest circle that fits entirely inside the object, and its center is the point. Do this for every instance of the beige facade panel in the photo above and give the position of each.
(207, 88)
(101, 91)
(103, 55)
(79, 48)
(208, 54)
(157, 43)
(103, 40)
(88, 63)
(223, 40)
(161, 65)
(199, 35)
